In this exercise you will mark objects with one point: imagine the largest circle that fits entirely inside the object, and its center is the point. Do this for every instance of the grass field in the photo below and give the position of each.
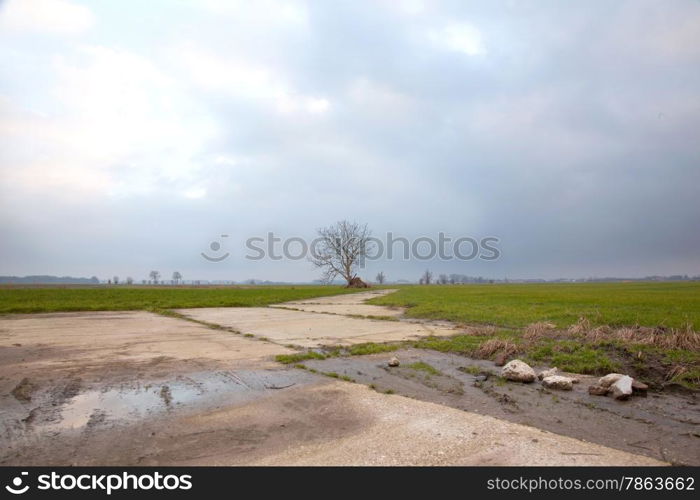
(669, 304)
(53, 299)
(645, 329)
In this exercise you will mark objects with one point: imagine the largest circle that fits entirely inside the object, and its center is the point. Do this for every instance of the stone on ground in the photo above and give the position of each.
(558, 382)
(609, 379)
(518, 371)
(622, 388)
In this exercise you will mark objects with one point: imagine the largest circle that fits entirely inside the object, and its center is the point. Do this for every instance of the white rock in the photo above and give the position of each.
(548, 373)
(394, 361)
(622, 388)
(518, 371)
(558, 382)
(610, 379)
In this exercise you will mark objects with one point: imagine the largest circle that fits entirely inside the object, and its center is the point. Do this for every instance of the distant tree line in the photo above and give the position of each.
(45, 279)
(452, 279)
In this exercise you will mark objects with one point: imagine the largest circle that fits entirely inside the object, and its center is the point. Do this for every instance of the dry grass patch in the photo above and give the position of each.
(665, 338)
(538, 330)
(580, 327)
(598, 333)
(493, 346)
(485, 330)
(676, 371)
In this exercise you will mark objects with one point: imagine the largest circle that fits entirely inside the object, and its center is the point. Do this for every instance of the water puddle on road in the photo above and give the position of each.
(131, 402)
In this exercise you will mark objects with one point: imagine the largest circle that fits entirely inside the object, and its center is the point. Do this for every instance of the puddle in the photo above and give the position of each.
(117, 404)
(129, 403)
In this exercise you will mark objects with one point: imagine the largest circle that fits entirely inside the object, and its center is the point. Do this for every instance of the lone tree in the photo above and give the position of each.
(177, 277)
(427, 277)
(380, 278)
(155, 276)
(339, 250)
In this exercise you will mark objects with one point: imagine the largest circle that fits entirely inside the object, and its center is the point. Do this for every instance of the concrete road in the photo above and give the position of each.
(349, 305)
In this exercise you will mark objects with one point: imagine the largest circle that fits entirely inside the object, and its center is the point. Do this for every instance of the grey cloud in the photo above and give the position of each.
(573, 138)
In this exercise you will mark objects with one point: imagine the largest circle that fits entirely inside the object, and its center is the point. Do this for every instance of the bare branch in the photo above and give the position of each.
(341, 249)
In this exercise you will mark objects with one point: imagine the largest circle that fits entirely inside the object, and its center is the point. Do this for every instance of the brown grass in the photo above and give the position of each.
(485, 330)
(598, 333)
(492, 346)
(665, 338)
(580, 327)
(538, 330)
(675, 371)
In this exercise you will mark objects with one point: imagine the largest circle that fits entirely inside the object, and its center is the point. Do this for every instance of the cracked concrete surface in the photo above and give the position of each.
(325, 321)
(310, 329)
(348, 305)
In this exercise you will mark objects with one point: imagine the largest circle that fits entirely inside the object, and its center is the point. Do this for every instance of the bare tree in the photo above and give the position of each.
(380, 278)
(129, 280)
(116, 280)
(177, 277)
(442, 279)
(340, 248)
(155, 276)
(427, 277)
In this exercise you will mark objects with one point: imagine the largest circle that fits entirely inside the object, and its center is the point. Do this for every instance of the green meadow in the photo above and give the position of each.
(652, 304)
(117, 298)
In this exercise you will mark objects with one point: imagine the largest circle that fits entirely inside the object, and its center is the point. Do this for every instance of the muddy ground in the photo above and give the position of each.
(272, 416)
(664, 425)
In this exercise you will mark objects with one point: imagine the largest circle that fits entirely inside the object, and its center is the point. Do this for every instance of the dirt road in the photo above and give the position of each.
(136, 388)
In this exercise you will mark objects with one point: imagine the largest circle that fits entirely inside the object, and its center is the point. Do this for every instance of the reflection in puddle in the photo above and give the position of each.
(134, 401)
(115, 403)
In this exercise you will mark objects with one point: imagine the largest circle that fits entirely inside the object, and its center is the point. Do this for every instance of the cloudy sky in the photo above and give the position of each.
(133, 134)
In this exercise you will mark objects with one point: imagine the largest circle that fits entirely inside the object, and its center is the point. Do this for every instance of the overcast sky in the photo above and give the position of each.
(133, 134)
